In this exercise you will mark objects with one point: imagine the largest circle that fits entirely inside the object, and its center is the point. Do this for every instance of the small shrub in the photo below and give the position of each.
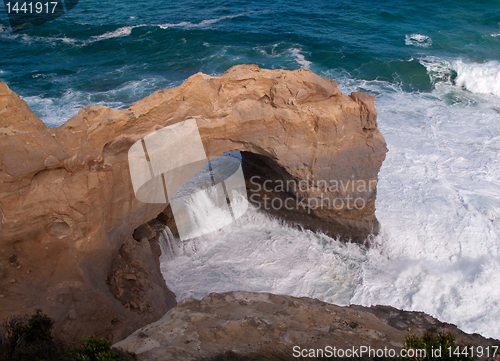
(29, 338)
(441, 341)
(95, 348)
(37, 328)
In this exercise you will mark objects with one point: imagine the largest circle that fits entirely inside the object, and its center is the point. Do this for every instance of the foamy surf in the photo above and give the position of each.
(479, 78)
(437, 203)
(28, 39)
(123, 31)
(55, 111)
(418, 40)
(250, 254)
(299, 58)
(201, 24)
(439, 71)
(482, 78)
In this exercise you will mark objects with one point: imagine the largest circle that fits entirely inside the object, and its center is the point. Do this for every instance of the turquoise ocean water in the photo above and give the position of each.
(434, 68)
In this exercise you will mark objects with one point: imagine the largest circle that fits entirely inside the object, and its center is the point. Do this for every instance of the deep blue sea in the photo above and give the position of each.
(434, 67)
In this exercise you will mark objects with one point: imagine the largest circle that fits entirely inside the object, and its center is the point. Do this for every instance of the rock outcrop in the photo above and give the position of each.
(246, 322)
(67, 205)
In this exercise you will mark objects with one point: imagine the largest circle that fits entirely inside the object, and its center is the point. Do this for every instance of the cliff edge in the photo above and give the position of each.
(247, 323)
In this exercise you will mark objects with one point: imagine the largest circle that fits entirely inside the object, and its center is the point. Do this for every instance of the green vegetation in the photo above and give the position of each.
(440, 347)
(94, 348)
(29, 338)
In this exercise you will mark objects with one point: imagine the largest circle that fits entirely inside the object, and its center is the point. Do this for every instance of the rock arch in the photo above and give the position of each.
(68, 204)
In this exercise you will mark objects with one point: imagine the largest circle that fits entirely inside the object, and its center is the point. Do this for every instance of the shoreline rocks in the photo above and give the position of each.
(246, 322)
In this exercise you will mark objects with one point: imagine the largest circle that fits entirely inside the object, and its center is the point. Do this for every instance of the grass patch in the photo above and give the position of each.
(441, 346)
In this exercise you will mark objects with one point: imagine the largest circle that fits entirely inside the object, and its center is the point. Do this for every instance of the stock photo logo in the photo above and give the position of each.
(170, 165)
(27, 14)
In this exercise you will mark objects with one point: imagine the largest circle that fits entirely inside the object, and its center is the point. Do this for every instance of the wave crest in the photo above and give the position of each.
(478, 78)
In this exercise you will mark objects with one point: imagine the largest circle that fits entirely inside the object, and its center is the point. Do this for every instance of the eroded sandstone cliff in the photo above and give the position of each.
(67, 206)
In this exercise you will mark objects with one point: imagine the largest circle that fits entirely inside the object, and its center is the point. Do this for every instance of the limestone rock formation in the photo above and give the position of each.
(246, 322)
(67, 204)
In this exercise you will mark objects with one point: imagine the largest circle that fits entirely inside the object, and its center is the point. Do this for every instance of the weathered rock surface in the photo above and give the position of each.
(135, 279)
(245, 322)
(67, 204)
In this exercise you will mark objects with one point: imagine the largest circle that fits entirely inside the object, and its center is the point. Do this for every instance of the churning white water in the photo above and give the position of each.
(169, 246)
(438, 204)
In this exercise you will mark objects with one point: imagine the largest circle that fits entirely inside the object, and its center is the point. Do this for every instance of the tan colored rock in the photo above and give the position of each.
(246, 322)
(144, 231)
(135, 279)
(130, 277)
(2, 271)
(66, 200)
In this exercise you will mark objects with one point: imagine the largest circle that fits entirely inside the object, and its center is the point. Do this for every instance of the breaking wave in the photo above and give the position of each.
(482, 78)
(479, 78)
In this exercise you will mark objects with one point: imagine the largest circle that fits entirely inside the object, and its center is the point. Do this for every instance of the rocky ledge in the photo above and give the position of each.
(67, 204)
(246, 322)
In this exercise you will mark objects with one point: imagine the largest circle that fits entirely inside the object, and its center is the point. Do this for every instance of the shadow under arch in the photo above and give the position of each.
(272, 189)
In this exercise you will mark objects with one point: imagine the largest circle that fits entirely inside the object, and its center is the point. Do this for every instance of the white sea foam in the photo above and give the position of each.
(171, 25)
(259, 253)
(439, 209)
(168, 244)
(68, 40)
(55, 111)
(478, 77)
(201, 24)
(120, 32)
(438, 205)
(299, 58)
(25, 38)
(439, 70)
(9, 36)
(123, 31)
(418, 40)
